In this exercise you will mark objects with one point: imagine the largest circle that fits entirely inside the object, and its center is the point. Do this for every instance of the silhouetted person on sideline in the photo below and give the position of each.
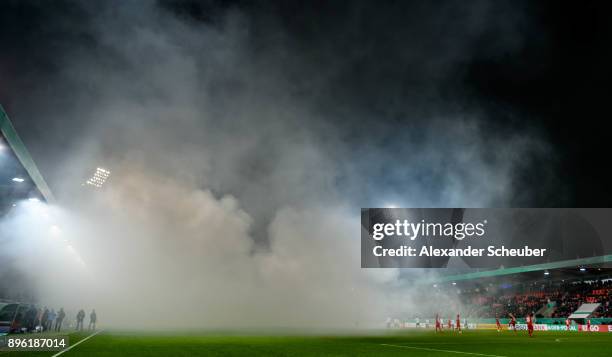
(50, 319)
(31, 318)
(92, 319)
(58, 321)
(44, 318)
(80, 317)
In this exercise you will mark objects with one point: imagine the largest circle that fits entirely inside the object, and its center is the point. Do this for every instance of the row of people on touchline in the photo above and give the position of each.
(49, 319)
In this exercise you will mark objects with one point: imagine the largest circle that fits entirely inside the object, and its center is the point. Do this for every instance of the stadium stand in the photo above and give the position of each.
(584, 311)
(20, 180)
(552, 295)
(558, 301)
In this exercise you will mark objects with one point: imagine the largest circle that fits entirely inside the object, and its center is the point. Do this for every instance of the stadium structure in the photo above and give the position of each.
(578, 292)
(20, 180)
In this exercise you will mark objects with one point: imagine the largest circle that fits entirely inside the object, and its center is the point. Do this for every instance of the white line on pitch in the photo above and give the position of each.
(436, 350)
(76, 344)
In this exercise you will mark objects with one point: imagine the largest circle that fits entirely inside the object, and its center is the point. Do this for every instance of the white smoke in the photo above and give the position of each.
(234, 198)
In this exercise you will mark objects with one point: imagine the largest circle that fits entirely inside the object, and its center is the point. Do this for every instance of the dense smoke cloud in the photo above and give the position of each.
(239, 161)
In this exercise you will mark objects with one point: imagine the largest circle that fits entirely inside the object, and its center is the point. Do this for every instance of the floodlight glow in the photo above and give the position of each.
(99, 177)
(55, 230)
(582, 269)
(33, 199)
(546, 272)
(18, 179)
(454, 283)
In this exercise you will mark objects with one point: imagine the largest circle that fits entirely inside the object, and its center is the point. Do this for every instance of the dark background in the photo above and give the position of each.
(555, 79)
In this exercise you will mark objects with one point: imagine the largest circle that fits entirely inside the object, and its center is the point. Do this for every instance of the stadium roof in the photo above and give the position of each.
(567, 267)
(19, 176)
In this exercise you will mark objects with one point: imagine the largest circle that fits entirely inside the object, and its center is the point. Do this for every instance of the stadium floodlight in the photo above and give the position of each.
(17, 179)
(454, 283)
(55, 230)
(33, 199)
(582, 269)
(99, 178)
(546, 272)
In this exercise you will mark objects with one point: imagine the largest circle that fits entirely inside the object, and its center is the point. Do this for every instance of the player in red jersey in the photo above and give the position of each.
(588, 325)
(513, 322)
(499, 328)
(529, 320)
(458, 324)
(438, 324)
(567, 324)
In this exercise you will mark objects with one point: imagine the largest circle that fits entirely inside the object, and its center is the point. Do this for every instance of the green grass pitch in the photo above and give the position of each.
(396, 343)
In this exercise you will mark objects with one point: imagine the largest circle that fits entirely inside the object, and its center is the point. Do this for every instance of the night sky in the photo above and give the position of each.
(528, 68)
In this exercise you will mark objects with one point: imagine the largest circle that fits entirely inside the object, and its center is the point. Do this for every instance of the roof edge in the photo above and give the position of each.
(23, 155)
(523, 269)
